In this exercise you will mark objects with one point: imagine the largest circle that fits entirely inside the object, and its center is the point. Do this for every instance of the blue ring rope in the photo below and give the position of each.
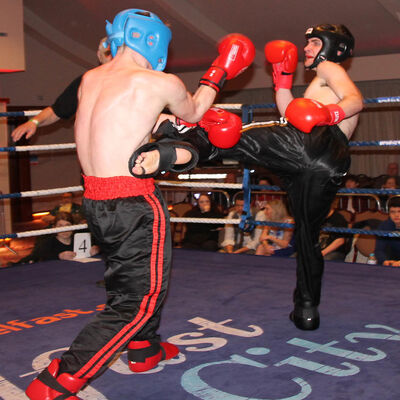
(353, 231)
(377, 100)
(247, 222)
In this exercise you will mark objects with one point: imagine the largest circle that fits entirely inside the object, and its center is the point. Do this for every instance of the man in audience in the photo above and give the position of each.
(387, 250)
(393, 170)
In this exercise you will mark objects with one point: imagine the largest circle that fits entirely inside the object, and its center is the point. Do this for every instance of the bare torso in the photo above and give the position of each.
(332, 85)
(320, 91)
(118, 107)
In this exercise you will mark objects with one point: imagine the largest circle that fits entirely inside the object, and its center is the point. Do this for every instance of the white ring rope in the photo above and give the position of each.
(60, 146)
(45, 192)
(206, 220)
(201, 184)
(210, 185)
(39, 232)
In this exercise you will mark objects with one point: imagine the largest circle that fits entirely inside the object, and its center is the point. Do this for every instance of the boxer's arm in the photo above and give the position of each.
(282, 99)
(236, 53)
(282, 55)
(182, 104)
(351, 100)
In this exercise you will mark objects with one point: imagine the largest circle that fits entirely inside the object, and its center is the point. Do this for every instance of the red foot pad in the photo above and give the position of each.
(144, 355)
(51, 386)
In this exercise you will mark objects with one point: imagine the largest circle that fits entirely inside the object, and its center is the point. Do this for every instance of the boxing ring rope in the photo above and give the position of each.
(226, 106)
(246, 222)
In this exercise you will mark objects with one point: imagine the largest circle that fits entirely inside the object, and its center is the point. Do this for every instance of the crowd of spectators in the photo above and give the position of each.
(59, 245)
(274, 241)
(264, 240)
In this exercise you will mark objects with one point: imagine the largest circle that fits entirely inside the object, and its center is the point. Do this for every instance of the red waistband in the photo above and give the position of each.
(97, 188)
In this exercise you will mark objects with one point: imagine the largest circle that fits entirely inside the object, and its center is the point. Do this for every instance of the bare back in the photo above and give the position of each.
(119, 104)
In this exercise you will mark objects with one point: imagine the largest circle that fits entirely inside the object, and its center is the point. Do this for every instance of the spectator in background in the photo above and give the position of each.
(389, 184)
(57, 246)
(387, 249)
(202, 236)
(352, 203)
(231, 177)
(261, 199)
(276, 241)
(393, 171)
(334, 246)
(236, 240)
(67, 205)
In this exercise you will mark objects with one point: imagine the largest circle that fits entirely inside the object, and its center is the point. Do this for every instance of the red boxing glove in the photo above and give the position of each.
(283, 57)
(305, 114)
(223, 127)
(236, 54)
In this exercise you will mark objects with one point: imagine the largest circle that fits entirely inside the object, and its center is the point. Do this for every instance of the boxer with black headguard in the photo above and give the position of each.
(309, 153)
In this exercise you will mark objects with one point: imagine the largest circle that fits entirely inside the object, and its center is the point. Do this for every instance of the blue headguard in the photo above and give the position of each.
(143, 32)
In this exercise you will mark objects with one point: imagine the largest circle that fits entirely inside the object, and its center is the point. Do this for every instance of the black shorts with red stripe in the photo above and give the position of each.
(130, 221)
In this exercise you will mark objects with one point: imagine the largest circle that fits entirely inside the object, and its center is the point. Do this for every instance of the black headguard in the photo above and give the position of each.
(337, 43)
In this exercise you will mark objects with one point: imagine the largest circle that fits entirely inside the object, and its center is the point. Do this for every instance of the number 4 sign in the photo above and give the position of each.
(82, 244)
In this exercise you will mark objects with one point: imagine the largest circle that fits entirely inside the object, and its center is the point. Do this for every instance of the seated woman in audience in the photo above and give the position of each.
(276, 241)
(202, 236)
(57, 246)
(387, 249)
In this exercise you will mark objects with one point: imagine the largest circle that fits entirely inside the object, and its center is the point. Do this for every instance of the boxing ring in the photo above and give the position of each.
(227, 313)
(246, 222)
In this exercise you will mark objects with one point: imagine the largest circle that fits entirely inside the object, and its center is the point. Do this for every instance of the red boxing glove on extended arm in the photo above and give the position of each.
(236, 54)
(305, 114)
(283, 57)
(223, 127)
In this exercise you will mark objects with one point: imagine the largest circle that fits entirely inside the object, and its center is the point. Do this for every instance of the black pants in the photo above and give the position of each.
(134, 235)
(311, 167)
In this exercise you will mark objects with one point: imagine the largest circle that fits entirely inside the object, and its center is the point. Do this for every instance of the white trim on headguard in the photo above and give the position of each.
(142, 31)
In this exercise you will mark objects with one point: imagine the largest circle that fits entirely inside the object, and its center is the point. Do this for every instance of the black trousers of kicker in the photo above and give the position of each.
(134, 236)
(311, 167)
